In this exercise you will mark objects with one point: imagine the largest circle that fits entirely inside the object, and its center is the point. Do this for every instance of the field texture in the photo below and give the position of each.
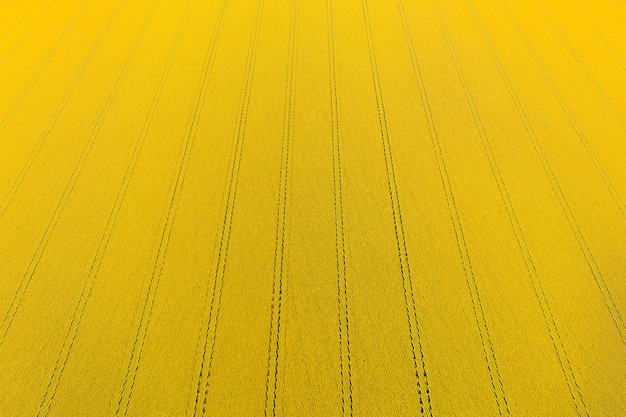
(312, 208)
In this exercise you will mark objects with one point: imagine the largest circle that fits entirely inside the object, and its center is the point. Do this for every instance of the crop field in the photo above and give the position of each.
(312, 208)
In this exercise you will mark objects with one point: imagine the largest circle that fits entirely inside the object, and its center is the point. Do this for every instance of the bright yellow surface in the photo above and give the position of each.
(312, 208)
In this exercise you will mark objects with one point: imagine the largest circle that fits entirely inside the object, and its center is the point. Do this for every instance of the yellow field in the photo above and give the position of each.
(312, 208)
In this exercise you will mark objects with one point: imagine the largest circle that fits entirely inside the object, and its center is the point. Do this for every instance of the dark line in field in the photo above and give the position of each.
(8, 198)
(607, 102)
(600, 36)
(479, 313)
(204, 374)
(178, 182)
(234, 183)
(42, 65)
(98, 258)
(271, 383)
(569, 114)
(345, 369)
(65, 196)
(392, 185)
(563, 203)
(7, 57)
(520, 237)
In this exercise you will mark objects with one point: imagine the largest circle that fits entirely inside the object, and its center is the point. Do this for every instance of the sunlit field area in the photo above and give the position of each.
(334, 208)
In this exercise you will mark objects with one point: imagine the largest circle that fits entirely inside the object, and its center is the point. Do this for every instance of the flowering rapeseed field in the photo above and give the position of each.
(312, 208)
